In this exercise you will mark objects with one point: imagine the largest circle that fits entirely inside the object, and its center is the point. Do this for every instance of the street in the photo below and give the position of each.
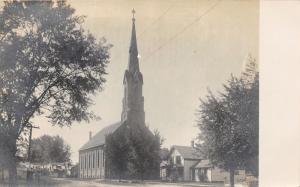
(71, 182)
(97, 183)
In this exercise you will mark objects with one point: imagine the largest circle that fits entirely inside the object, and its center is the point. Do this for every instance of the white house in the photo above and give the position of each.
(187, 164)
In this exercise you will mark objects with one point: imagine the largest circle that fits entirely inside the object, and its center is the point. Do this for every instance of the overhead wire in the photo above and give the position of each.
(183, 30)
(155, 21)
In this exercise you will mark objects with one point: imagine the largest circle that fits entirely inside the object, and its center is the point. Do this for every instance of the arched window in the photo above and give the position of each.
(94, 159)
(85, 161)
(89, 160)
(98, 159)
(102, 158)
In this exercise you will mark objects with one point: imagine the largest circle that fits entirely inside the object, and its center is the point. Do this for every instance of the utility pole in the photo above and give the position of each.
(29, 143)
(29, 176)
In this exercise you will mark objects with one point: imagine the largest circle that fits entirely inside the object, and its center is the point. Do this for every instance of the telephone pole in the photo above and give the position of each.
(29, 143)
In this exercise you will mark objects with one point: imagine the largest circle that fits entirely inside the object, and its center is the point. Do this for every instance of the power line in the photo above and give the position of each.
(183, 30)
(155, 21)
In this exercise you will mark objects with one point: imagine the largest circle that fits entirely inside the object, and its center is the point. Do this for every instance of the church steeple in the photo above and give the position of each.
(133, 64)
(133, 101)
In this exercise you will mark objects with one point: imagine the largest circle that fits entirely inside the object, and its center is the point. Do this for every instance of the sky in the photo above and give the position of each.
(185, 47)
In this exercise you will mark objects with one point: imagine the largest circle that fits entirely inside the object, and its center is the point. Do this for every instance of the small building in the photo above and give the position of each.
(204, 171)
(188, 164)
(181, 160)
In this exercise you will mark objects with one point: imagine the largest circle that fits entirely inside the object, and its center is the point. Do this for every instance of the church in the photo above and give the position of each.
(91, 155)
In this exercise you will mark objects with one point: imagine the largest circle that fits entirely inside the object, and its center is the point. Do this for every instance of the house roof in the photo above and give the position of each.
(203, 164)
(188, 152)
(99, 138)
(164, 164)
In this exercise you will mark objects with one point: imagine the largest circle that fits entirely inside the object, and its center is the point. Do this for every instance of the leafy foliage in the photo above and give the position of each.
(133, 152)
(117, 149)
(229, 123)
(47, 149)
(49, 64)
(145, 153)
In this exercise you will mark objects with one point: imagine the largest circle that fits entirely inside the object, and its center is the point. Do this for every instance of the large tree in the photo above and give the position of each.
(117, 153)
(49, 65)
(145, 153)
(229, 123)
(133, 152)
(47, 149)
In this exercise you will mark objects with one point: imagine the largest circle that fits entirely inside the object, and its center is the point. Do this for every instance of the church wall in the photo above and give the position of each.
(91, 163)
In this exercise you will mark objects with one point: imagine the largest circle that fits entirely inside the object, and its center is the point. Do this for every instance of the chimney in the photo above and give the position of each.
(193, 143)
(90, 135)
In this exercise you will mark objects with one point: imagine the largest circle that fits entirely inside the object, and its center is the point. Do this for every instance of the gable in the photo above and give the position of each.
(187, 152)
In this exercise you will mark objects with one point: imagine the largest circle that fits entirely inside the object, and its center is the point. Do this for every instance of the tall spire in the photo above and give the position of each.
(133, 64)
(133, 101)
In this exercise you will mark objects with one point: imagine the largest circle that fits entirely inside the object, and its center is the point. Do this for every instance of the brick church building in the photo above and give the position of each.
(91, 155)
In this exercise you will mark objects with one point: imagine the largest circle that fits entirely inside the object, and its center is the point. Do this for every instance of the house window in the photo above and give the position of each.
(236, 172)
(178, 160)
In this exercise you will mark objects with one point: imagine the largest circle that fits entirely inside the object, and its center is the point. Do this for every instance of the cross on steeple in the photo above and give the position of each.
(133, 64)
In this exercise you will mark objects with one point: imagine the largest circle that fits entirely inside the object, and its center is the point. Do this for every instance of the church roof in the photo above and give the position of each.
(188, 152)
(99, 138)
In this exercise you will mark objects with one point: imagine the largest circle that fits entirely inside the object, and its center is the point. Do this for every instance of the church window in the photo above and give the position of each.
(93, 157)
(94, 160)
(102, 158)
(80, 160)
(85, 165)
(98, 159)
(89, 165)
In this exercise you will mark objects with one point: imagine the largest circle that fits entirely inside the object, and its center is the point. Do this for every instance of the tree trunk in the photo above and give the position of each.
(2, 174)
(12, 173)
(142, 176)
(10, 151)
(231, 177)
